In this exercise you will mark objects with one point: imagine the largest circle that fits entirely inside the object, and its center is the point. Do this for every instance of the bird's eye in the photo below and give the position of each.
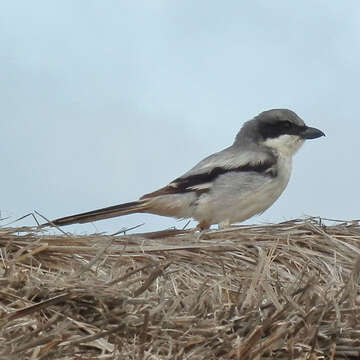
(287, 124)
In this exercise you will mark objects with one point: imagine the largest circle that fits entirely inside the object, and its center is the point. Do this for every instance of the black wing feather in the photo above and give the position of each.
(188, 183)
(184, 184)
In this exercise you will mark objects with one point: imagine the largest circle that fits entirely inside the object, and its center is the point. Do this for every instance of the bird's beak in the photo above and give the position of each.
(311, 133)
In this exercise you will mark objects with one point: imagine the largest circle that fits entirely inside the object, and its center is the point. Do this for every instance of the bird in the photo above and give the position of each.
(228, 186)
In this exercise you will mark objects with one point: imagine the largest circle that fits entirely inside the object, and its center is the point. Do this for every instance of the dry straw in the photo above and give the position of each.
(284, 291)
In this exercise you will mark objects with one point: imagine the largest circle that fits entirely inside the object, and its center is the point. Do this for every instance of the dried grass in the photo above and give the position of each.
(284, 291)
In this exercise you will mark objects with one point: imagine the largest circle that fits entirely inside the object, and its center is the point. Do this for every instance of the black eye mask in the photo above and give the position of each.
(271, 130)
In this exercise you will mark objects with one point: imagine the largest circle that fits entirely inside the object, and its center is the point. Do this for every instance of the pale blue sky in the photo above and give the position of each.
(103, 101)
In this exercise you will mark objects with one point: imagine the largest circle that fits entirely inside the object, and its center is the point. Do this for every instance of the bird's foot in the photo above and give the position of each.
(202, 225)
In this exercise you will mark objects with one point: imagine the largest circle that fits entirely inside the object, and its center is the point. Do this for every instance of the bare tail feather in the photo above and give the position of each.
(104, 213)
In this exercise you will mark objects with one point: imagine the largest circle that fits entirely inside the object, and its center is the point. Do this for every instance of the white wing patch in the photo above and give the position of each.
(204, 186)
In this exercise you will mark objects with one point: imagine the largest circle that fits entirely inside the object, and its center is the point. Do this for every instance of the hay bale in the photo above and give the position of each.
(283, 291)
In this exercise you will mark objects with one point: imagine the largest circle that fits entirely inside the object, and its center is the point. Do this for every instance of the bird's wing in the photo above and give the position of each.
(201, 177)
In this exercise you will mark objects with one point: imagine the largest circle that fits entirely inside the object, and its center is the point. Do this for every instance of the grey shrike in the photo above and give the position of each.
(229, 186)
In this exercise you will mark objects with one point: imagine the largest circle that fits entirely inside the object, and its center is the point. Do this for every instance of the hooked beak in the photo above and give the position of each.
(311, 133)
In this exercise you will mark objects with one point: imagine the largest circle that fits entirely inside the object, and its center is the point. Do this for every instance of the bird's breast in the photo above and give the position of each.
(284, 166)
(237, 196)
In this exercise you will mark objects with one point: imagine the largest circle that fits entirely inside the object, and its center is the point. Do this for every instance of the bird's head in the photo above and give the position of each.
(279, 129)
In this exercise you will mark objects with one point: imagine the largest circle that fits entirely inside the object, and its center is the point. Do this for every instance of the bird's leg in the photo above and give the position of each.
(200, 229)
(202, 225)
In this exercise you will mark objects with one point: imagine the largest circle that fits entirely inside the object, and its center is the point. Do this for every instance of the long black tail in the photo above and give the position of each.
(104, 213)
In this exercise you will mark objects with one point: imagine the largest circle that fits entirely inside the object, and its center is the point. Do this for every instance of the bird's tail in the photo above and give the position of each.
(104, 213)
